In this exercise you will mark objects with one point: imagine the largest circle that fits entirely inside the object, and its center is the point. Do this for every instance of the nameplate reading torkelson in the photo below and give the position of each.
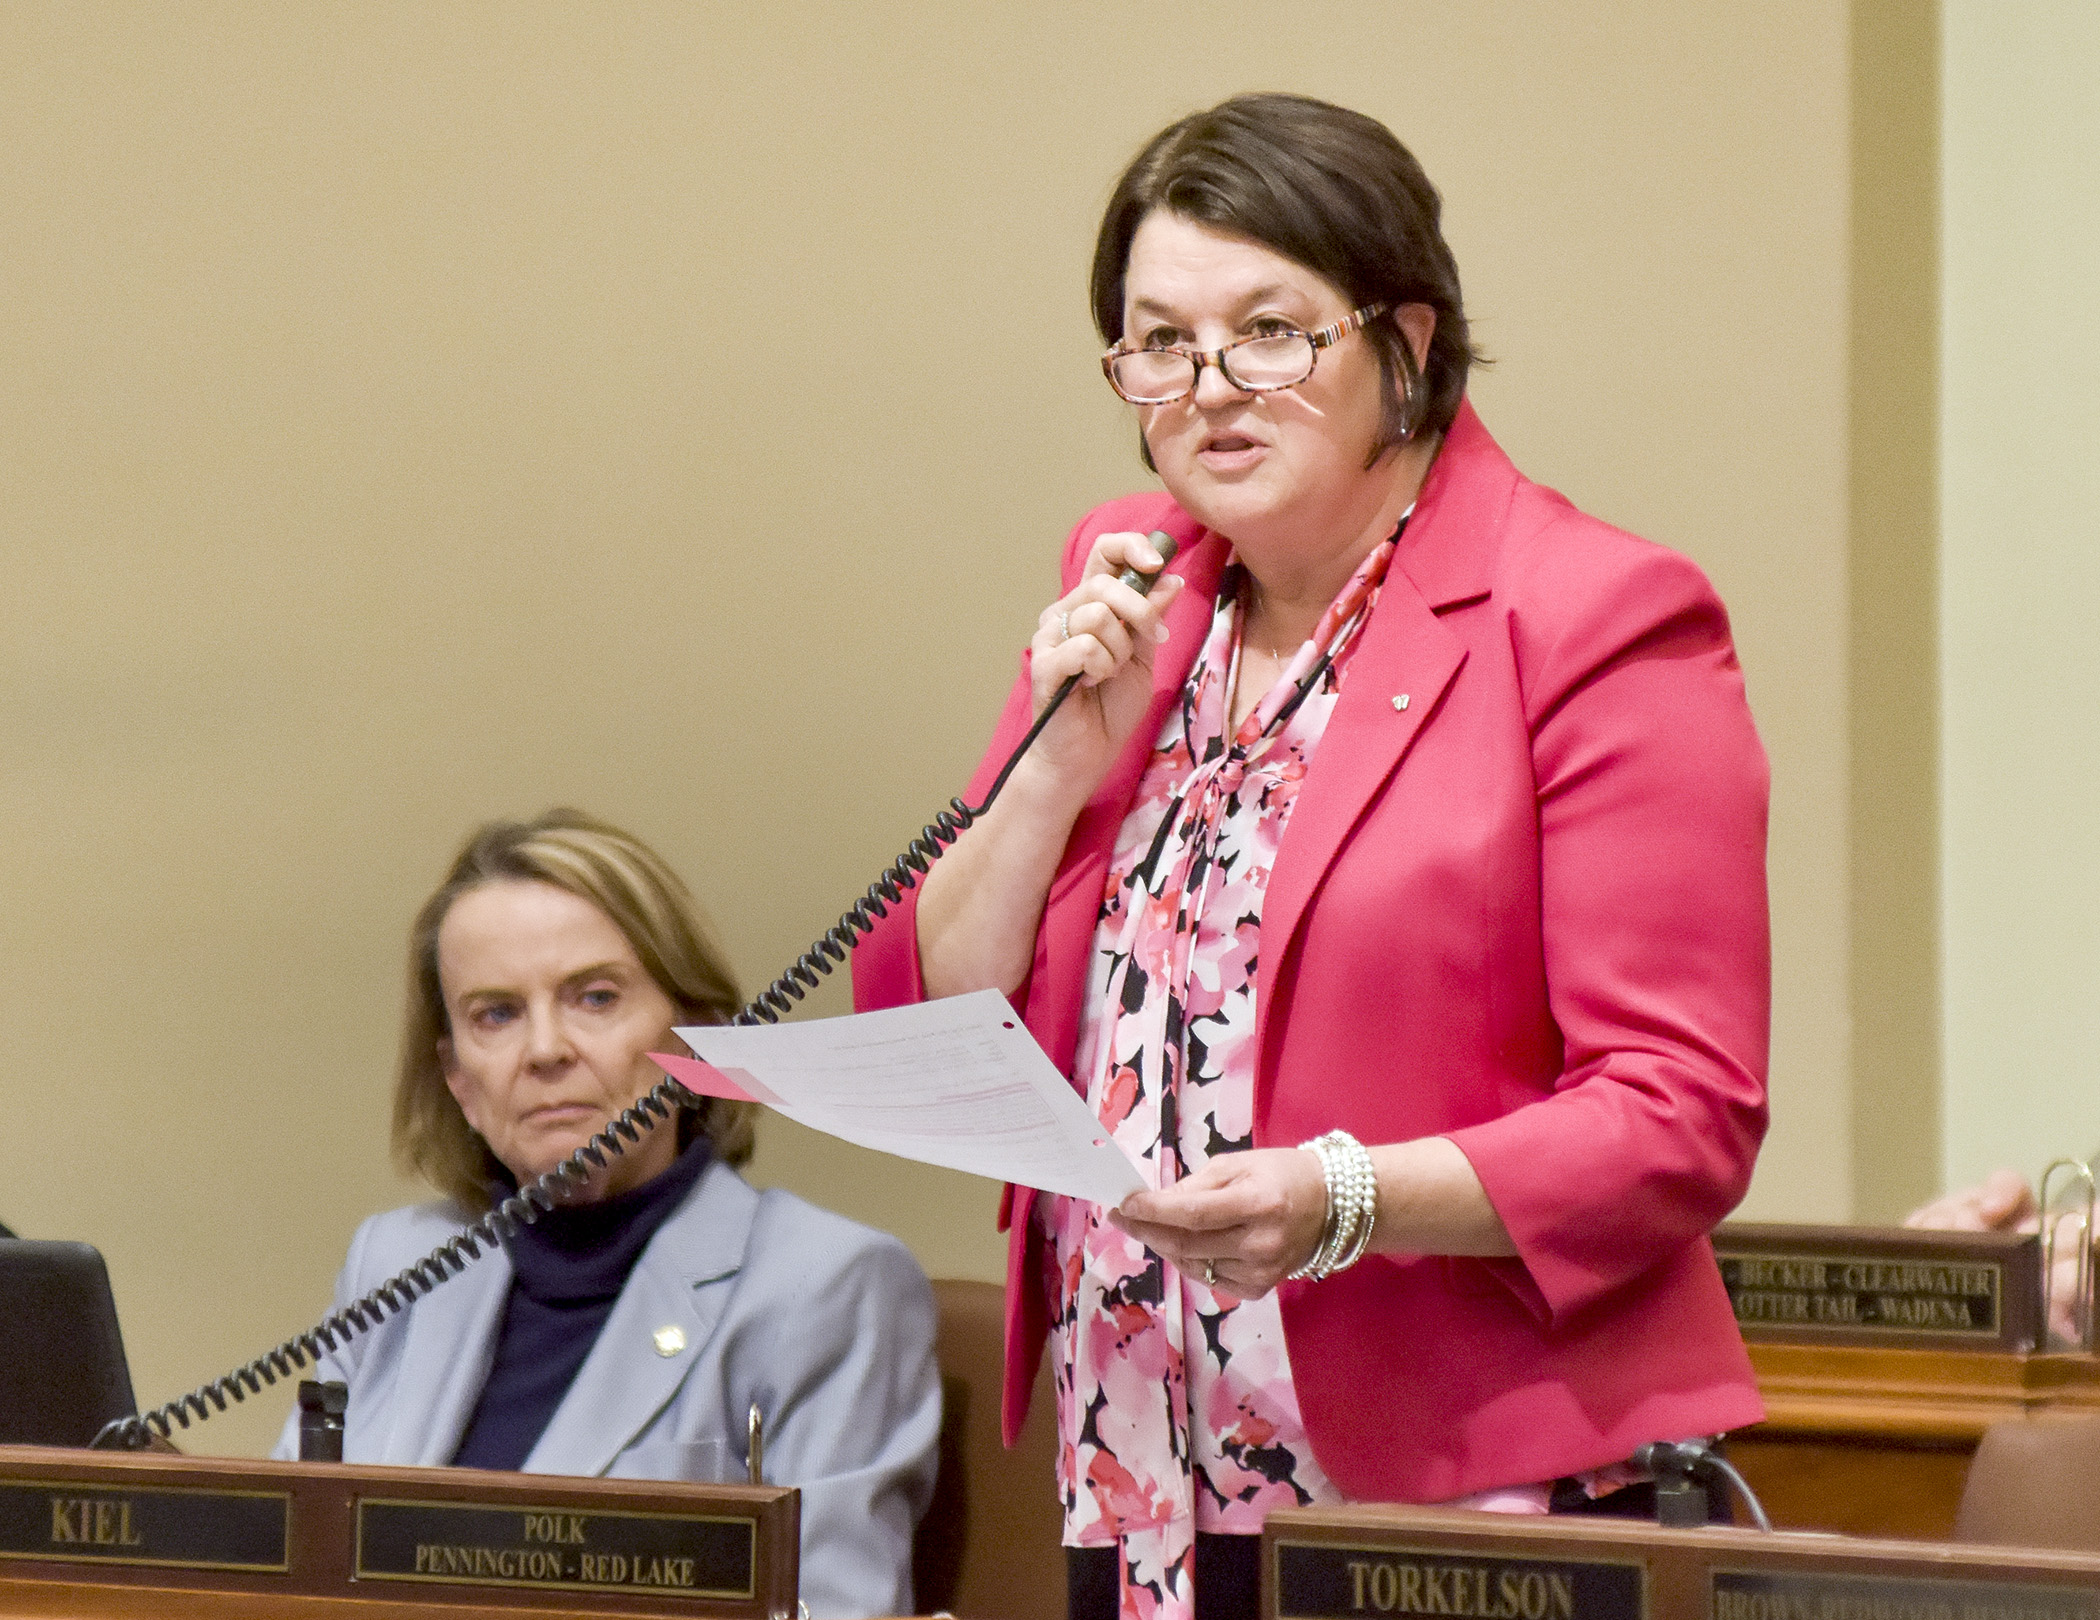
(1327, 1581)
(171, 1528)
(1739, 1595)
(663, 1554)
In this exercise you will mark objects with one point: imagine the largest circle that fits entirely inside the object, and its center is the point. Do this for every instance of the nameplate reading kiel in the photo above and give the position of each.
(1931, 1299)
(1323, 1581)
(663, 1554)
(1765, 1596)
(174, 1529)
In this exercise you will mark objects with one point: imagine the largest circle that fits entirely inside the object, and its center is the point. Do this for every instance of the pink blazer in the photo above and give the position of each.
(1520, 903)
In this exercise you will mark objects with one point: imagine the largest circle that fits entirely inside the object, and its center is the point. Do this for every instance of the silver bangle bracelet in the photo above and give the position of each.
(1314, 1267)
(1352, 1205)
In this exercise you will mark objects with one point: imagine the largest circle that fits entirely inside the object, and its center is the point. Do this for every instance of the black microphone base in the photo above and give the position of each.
(1681, 1504)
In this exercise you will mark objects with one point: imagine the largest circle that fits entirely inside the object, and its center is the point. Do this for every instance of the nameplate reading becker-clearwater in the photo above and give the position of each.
(1883, 1285)
(662, 1554)
(105, 1523)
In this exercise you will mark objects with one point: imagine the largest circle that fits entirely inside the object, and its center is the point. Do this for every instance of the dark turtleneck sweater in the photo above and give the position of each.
(567, 1270)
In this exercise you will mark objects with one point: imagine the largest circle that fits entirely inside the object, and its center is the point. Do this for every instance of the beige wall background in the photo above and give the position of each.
(1893, 711)
(2019, 657)
(418, 413)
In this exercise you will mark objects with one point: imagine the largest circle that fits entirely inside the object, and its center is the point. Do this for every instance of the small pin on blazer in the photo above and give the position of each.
(670, 1339)
(1400, 700)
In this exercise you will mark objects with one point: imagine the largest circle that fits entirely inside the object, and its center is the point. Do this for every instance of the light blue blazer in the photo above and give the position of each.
(825, 1324)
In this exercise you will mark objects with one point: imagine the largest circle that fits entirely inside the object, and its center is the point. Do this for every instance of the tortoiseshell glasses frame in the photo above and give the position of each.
(1145, 376)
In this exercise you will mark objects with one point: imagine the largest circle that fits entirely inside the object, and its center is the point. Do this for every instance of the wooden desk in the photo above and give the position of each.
(136, 1534)
(58, 1600)
(1877, 1442)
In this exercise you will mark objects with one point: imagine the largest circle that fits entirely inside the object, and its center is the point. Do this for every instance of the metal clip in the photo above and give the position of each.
(321, 1409)
(2077, 1174)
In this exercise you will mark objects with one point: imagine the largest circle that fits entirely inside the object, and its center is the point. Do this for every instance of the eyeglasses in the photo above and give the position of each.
(1255, 365)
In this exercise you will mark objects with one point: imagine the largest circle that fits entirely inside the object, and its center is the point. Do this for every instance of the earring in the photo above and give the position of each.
(1410, 418)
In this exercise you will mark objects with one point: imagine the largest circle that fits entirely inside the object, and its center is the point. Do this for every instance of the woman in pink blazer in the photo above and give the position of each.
(1393, 888)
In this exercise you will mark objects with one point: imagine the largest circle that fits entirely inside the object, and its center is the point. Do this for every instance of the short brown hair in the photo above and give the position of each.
(633, 885)
(1329, 189)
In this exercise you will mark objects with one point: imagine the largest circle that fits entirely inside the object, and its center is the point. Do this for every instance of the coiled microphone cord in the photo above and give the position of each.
(657, 1104)
(402, 1289)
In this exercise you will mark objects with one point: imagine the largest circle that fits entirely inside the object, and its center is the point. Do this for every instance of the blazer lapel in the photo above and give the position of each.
(1394, 688)
(1404, 651)
(682, 1282)
(445, 1362)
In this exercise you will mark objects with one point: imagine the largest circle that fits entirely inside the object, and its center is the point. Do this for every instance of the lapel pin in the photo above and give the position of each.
(1400, 700)
(670, 1339)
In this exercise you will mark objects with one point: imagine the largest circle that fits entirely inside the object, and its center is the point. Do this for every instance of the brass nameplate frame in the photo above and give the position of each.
(110, 1522)
(1768, 1594)
(1883, 1285)
(565, 1548)
(1325, 1580)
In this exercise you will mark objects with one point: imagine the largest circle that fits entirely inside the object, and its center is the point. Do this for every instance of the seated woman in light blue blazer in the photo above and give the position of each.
(629, 1332)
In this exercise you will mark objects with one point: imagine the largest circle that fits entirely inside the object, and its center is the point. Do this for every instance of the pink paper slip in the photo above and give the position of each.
(705, 1080)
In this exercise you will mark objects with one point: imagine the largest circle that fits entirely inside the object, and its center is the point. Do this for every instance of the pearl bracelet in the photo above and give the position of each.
(1352, 1205)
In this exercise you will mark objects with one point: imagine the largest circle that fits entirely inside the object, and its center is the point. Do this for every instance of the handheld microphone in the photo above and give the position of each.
(1163, 543)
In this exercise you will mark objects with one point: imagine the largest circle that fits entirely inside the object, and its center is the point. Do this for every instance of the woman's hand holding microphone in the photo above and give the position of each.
(1105, 632)
(978, 912)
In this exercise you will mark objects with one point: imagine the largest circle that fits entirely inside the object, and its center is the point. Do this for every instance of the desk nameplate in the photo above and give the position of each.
(1331, 1580)
(1768, 1594)
(1883, 1286)
(111, 1522)
(1709, 1573)
(558, 1548)
(667, 1549)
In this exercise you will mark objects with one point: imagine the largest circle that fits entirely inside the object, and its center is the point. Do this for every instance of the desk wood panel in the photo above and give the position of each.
(67, 1600)
(327, 1506)
(1877, 1442)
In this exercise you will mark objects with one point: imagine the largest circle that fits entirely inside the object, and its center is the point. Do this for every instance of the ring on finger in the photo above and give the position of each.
(1210, 1274)
(1064, 625)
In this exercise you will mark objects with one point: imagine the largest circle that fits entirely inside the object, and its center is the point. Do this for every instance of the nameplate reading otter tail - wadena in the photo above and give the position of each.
(1876, 1285)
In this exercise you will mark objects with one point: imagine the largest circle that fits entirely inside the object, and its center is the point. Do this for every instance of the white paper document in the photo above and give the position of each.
(958, 1082)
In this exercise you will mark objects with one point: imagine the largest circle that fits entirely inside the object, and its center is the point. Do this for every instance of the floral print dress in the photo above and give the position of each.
(1175, 1407)
(1176, 1411)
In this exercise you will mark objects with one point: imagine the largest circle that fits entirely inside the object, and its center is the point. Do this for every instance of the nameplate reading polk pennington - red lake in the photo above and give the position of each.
(701, 1556)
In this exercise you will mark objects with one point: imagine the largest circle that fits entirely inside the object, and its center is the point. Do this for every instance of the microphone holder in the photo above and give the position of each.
(1681, 1502)
(1684, 1471)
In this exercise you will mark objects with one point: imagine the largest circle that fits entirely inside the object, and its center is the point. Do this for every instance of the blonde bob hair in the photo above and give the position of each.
(631, 884)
